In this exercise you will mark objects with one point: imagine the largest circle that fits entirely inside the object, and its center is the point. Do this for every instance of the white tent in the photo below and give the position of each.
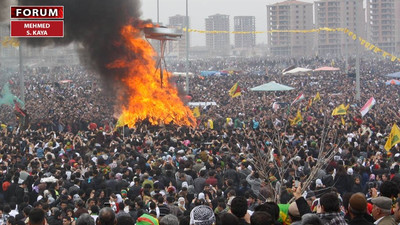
(298, 70)
(182, 74)
(201, 103)
(272, 86)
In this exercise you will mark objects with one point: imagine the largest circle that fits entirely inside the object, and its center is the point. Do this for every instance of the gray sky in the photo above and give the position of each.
(200, 9)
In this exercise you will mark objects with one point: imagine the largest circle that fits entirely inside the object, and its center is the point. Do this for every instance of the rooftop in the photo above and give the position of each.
(292, 2)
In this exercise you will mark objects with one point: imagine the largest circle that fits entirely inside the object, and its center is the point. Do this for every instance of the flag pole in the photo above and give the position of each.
(241, 97)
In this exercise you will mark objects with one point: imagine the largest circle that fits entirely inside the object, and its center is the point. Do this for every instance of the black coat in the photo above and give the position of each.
(342, 183)
(19, 193)
(54, 221)
(359, 220)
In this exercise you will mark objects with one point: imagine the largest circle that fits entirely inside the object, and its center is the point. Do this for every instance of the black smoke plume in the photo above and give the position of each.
(95, 24)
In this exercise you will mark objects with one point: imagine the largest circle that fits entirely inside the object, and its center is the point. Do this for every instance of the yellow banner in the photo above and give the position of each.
(8, 41)
(270, 31)
(351, 35)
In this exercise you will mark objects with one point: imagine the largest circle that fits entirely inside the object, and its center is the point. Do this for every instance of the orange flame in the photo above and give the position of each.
(147, 100)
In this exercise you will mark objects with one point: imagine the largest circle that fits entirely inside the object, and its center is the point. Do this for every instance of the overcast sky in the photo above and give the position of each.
(200, 9)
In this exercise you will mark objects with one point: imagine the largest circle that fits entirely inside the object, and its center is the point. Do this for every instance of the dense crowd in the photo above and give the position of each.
(244, 163)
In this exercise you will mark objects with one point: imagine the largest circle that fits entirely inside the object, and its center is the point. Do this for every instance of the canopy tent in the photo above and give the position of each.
(211, 73)
(231, 69)
(201, 103)
(272, 86)
(395, 75)
(327, 68)
(298, 70)
(392, 82)
(182, 74)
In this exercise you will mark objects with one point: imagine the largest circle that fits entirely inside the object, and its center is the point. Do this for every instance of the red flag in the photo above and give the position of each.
(19, 110)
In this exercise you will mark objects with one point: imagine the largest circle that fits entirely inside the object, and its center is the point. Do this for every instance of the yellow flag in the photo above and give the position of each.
(229, 121)
(196, 112)
(235, 90)
(343, 122)
(317, 97)
(393, 139)
(340, 110)
(310, 103)
(297, 119)
(120, 123)
(210, 124)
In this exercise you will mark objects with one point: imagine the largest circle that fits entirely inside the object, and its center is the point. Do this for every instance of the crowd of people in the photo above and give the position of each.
(244, 162)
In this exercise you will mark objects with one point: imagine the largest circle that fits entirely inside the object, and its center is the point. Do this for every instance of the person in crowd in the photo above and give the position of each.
(381, 211)
(202, 215)
(239, 209)
(71, 150)
(357, 209)
(169, 220)
(85, 219)
(260, 218)
(37, 217)
(106, 217)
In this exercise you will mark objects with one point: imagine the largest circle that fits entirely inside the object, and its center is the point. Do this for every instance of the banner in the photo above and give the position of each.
(351, 35)
(261, 32)
(8, 41)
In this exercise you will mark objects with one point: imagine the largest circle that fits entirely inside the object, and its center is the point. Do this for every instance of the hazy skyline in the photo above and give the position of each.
(201, 9)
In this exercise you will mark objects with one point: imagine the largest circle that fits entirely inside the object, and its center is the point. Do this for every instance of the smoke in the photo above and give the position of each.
(7, 98)
(5, 10)
(96, 25)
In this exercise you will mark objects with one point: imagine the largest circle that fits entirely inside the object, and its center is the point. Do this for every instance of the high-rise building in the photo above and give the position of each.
(383, 19)
(245, 24)
(218, 43)
(339, 14)
(178, 48)
(290, 15)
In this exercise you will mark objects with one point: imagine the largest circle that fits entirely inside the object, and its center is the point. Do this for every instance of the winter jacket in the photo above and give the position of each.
(360, 220)
(332, 219)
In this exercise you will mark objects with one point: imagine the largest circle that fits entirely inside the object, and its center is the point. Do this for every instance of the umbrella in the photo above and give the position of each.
(395, 75)
(298, 70)
(327, 68)
(392, 82)
(272, 86)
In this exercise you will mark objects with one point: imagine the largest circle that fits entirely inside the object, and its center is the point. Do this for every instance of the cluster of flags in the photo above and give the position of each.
(341, 110)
